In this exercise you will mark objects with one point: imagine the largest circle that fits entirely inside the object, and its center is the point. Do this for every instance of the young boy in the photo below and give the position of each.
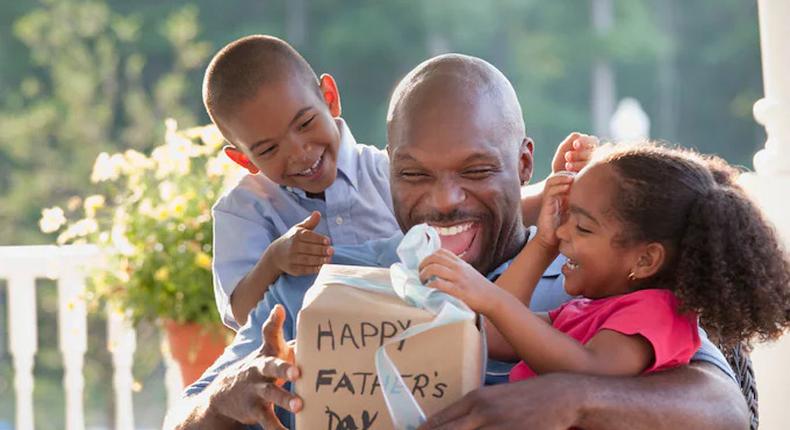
(316, 186)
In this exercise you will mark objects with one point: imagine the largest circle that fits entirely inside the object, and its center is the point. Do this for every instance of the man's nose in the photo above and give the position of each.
(447, 195)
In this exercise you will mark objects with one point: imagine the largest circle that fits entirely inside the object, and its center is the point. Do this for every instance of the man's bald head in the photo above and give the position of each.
(241, 68)
(459, 82)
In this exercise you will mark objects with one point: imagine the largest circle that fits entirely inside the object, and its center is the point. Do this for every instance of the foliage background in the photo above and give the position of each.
(78, 77)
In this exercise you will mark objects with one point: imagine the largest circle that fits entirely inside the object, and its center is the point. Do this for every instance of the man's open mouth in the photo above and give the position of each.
(457, 238)
(313, 169)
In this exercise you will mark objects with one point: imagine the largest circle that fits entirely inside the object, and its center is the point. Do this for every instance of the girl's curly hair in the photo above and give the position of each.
(724, 261)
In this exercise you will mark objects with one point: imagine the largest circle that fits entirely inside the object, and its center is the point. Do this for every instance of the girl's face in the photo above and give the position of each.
(597, 265)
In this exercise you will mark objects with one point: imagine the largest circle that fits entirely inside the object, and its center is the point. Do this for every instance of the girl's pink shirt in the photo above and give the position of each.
(652, 314)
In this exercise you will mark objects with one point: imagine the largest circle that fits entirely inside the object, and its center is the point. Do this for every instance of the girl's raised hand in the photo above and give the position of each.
(574, 152)
(447, 272)
(555, 197)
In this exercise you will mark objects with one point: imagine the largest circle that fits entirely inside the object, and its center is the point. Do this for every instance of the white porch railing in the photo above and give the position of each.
(20, 266)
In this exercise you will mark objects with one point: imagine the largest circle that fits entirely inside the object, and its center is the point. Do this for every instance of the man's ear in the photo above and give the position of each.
(525, 160)
(650, 261)
(331, 94)
(239, 158)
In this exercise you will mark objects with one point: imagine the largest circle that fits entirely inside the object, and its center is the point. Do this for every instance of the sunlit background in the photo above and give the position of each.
(80, 77)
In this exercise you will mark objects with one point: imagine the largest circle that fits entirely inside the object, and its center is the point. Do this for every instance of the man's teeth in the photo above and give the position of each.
(311, 170)
(453, 230)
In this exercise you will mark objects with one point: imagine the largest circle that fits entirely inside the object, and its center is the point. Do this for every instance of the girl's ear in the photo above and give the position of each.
(239, 158)
(650, 261)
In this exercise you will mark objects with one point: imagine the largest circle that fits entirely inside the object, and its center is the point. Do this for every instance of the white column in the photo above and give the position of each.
(121, 342)
(173, 381)
(73, 342)
(23, 340)
(769, 186)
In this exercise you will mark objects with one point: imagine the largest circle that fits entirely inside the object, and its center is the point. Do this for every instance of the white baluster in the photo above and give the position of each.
(73, 343)
(768, 186)
(23, 340)
(122, 341)
(173, 382)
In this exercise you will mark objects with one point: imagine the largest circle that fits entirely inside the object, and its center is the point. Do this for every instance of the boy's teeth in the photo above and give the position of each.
(310, 170)
(453, 230)
(572, 265)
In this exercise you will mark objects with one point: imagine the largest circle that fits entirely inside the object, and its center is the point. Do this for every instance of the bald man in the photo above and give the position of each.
(458, 157)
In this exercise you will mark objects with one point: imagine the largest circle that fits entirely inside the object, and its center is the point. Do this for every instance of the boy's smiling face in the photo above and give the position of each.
(288, 132)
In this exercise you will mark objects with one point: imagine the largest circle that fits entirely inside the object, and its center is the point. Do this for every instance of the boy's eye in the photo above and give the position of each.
(412, 175)
(307, 123)
(268, 151)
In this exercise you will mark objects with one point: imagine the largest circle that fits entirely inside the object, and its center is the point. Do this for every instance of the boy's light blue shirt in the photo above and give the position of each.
(289, 292)
(357, 208)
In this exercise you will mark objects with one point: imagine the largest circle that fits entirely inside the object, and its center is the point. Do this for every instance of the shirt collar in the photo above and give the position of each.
(347, 155)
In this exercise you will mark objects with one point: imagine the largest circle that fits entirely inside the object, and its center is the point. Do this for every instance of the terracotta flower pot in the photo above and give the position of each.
(194, 347)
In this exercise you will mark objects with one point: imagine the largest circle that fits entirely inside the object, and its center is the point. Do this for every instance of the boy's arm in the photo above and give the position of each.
(300, 251)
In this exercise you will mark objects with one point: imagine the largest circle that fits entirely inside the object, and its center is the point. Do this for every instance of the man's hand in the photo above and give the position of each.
(543, 403)
(302, 251)
(247, 392)
(573, 153)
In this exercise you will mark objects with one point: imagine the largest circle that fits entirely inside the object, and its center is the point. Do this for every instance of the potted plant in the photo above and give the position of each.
(152, 218)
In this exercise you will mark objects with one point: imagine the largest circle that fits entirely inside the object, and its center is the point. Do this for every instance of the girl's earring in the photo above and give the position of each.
(631, 277)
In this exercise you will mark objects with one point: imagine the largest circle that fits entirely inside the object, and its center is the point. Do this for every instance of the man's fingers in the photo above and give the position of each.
(272, 331)
(312, 221)
(575, 166)
(272, 393)
(268, 419)
(448, 417)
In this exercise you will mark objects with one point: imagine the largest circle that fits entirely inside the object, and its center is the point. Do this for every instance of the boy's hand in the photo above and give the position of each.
(301, 251)
(447, 272)
(555, 196)
(574, 152)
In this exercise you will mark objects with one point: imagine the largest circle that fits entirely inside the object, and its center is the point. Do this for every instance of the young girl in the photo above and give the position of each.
(655, 239)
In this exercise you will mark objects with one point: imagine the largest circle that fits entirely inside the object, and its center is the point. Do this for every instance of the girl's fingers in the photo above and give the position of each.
(437, 270)
(575, 166)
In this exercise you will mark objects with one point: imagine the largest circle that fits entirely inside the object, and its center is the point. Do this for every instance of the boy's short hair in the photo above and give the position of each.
(238, 70)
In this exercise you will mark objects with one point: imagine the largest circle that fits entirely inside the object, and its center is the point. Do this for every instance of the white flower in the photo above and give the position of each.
(137, 161)
(120, 242)
(92, 203)
(51, 219)
(107, 167)
(78, 230)
(211, 137)
(167, 190)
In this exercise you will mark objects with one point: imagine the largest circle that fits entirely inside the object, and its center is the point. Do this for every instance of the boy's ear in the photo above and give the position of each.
(239, 158)
(650, 261)
(331, 94)
(525, 160)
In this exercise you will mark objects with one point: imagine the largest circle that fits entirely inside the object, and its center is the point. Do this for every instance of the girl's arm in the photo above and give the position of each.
(546, 349)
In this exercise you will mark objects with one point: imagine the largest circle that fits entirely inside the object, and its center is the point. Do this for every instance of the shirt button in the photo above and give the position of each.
(339, 220)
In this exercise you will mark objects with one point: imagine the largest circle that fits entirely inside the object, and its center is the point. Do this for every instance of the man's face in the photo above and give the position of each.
(288, 133)
(450, 168)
